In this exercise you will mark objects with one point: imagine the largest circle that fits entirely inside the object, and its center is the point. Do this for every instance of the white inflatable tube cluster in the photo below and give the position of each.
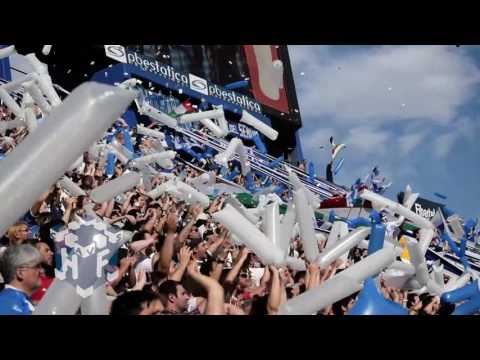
(37, 95)
(252, 121)
(115, 187)
(191, 195)
(211, 114)
(296, 264)
(73, 189)
(12, 124)
(342, 247)
(397, 208)
(338, 231)
(162, 118)
(242, 210)
(41, 159)
(250, 235)
(167, 186)
(313, 200)
(142, 130)
(271, 224)
(418, 261)
(11, 103)
(305, 218)
(286, 226)
(235, 146)
(155, 157)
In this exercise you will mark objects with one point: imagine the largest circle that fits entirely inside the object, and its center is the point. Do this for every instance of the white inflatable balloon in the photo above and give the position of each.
(244, 211)
(305, 218)
(263, 128)
(44, 82)
(130, 83)
(12, 124)
(214, 128)
(115, 187)
(313, 199)
(7, 51)
(95, 304)
(11, 103)
(142, 130)
(46, 49)
(418, 261)
(192, 195)
(296, 264)
(337, 150)
(223, 124)
(96, 151)
(286, 226)
(51, 306)
(36, 94)
(403, 266)
(316, 299)
(38, 66)
(457, 283)
(162, 118)
(397, 208)
(41, 159)
(168, 186)
(341, 247)
(73, 189)
(155, 157)
(212, 114)
(225, 156)
(243, 157)
(426, 236)
(438, 275)
(121, 149)
(30, 120)
(271, 223)
(338, 231)
(76, 164)
(249, 235)
(372, 264)
(409, 198)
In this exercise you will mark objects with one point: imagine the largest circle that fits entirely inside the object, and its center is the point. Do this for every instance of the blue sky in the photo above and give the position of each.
(412, 110)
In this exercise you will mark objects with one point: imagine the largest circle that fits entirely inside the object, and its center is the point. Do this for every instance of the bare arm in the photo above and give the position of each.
(186, 230)
(275, 295)
(38, 204)
(103, 209)
(185, 255)
(68, 210)
(151, 222)
(217, 271)
(110, 206)
(215, 303)
(233, 273)
(166, 253)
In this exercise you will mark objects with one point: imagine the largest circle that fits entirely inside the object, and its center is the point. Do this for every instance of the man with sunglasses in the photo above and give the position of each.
(21, 268)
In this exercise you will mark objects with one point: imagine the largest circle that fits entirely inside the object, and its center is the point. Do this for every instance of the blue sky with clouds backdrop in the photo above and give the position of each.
(412, 110)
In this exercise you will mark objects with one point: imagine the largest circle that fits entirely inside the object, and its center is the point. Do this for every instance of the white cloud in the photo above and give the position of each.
(367, 140)
(311, 141)
(410, 141)
(443, 144)
(432, 81)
